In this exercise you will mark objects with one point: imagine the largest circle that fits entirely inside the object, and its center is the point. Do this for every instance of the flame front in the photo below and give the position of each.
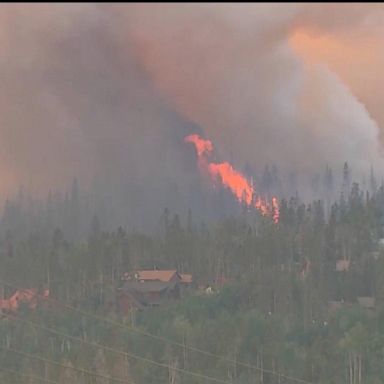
(234, 180)
(202, 146)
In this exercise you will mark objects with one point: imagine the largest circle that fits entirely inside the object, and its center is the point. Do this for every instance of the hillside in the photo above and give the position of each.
(302, 298)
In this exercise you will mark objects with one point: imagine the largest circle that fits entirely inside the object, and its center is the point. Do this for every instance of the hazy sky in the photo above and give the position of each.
(107, 92)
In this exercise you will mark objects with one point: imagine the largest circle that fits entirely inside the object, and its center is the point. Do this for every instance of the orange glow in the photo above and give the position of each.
(357, 60)
(276, 210)
(27, 296)
(234, 180)
(336, 51)
(262, 205)
(202, 146)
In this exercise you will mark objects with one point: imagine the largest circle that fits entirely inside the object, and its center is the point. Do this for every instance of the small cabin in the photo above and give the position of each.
(366, 302)
(334, 305)
(380, 244)
(342, 265)
(30, 297)
(149, 288)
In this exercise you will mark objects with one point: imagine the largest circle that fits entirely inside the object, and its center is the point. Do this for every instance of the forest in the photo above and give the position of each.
(283, 311)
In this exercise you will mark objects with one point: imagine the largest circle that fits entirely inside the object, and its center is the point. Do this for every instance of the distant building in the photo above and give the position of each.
(186, 279)
(149, 288)
(380, 244)
(342, 265)
(376, 254)
(28, 297)
(304, 268)
(366, 302)
(335, 305)
(220, 281)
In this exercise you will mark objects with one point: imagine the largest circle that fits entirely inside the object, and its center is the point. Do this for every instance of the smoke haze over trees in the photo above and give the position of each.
(106, 94)
(237, 144)
(284, 309)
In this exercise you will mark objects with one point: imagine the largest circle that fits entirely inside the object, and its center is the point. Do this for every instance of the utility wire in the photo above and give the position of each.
(165, 340)
(110, 349)
(53, 362)
(42, 379)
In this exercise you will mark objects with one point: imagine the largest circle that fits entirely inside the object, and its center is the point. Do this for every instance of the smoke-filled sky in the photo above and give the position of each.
(107, 92)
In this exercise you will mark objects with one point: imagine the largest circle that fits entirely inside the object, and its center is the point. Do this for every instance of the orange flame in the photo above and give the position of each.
(27, 296)
(202, 146)
(234, 180)
(276, 210)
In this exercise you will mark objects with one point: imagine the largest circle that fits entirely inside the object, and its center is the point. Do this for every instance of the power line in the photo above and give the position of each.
(160, 338)
(53, 362)
(165, 340)
(110, 349)
(28, 376)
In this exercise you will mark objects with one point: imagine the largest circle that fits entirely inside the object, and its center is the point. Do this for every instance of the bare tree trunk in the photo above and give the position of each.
(101, 288)
(359, 357)
(235, 364)
(261, 368)
(101, 368)
(185, 352)
(84, 282)
(48, 278)
(2, 296)
(172, 371)
(67, 292)
(46, 371)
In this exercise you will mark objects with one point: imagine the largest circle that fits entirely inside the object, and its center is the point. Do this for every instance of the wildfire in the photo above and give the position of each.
(202, 146)
(234, 180)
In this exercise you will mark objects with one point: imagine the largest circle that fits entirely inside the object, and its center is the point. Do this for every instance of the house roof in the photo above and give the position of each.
(186, 278)
(367, 302)
(342, 265)
(23, 295)
(142, 292)
(134, 300)
(150, 286)
(164, 276)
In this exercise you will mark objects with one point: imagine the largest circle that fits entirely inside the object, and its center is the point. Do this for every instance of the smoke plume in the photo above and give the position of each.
(107, 93)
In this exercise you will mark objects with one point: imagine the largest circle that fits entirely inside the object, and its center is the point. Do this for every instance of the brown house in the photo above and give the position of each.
(342, 265)
(334, 305)
(366, 302)
(30, 297)
(150, 288)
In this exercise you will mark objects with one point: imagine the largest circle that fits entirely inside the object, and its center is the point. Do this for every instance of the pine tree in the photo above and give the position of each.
(346, 183)
(372, 181)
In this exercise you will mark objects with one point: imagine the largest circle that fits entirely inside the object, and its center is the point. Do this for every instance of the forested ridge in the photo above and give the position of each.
(282, 313)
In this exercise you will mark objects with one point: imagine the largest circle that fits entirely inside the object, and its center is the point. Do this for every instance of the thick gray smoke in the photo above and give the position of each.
(106, 93)
(76, 103)
(233, 70)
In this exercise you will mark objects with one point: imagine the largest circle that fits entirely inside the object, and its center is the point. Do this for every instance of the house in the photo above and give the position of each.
(304, 268)
(376, 254)
(153, 275)
(220, 281)
(186, 279)
(29, 297)
(366, 302)
(380, 244)
(342, 265)
(149, 288)
(334, 305)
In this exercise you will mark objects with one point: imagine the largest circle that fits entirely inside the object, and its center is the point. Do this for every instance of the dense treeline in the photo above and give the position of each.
(273, 311)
